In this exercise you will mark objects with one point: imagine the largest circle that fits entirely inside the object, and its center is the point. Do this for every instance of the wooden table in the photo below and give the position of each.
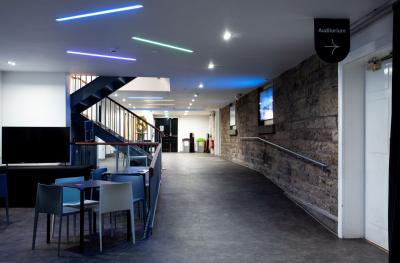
(82, 186)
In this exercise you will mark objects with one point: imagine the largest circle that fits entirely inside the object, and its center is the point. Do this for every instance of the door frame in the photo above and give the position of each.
(351, 137)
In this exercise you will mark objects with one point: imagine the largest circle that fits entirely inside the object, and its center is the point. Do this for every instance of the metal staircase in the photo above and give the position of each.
(112, 122)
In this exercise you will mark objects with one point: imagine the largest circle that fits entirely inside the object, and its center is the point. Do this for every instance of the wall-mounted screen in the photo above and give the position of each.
(35, 145)
(266, 110)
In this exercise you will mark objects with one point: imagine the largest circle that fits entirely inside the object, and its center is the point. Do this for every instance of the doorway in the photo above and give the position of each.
(378, 97)
(169, 126)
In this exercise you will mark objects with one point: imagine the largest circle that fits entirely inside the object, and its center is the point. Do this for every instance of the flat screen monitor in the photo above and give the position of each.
(266, 110)
(35, 145)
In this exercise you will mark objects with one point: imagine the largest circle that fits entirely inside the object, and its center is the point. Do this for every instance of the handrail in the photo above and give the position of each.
(130, 112)
(324, 166)
(154, 160)
(117, 143)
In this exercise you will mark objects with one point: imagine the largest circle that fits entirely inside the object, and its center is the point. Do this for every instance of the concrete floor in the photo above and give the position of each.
(210, 210)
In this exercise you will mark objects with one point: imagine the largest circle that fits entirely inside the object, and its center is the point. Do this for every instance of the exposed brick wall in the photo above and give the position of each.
(305, 117)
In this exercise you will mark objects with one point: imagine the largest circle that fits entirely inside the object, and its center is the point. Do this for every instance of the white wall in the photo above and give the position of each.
(34, 99)
(198, 125)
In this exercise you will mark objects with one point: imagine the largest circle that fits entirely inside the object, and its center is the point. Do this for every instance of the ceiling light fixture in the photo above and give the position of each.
(196, 95)
(162, 44)
(12, 63)
(211, 65)
(193, 100)
(158, 100)
(99, 55)
(160, 104)
(190, 104)
(104, 12)
(123, 100)
(146, 98)
(201, 85)
(116, 95)
(227, 35)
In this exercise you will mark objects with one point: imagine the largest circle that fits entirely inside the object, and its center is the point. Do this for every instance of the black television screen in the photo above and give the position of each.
(35, 145)
(266, 110)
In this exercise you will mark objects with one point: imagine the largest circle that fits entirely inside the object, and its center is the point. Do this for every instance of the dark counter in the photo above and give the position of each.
(22, 180)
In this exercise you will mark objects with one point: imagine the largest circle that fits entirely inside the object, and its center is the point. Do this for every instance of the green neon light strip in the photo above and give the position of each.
(162, 44)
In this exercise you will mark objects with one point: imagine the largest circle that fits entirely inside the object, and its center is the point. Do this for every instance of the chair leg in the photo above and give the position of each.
(59, 235)
(74, 225)
(90, 221)
(35, 229)
(101, 232)
(94, 222)
(67, 228)
(133, 225)
(144, 212)
(7, 213)
(52, 224)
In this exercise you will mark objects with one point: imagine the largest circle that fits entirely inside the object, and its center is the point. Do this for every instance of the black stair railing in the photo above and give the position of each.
(122, 123)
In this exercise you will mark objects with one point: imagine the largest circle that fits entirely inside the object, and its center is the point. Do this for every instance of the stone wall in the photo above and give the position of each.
(305, 117)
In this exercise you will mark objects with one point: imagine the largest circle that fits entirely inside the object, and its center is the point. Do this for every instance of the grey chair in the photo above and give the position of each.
(49, 200)
(4, 194)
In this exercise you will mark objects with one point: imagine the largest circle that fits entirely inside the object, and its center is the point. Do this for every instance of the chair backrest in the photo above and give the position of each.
(3, 185)
(137, 182)
(70, 194)
(97, 174)
(115, 197)
(49, 199)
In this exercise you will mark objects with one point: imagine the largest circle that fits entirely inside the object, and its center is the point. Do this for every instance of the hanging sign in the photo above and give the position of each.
(332, 39)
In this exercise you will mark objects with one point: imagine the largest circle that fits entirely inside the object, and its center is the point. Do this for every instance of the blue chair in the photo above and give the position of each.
(49, 200)
(137, 189)
(71, 198)
(4, 194)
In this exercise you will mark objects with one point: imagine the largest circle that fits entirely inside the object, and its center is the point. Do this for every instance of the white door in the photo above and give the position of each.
(378, 97)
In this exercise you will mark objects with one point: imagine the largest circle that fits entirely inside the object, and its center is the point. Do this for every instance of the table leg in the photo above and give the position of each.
(128, 225)
(48, 229)
(82, 222)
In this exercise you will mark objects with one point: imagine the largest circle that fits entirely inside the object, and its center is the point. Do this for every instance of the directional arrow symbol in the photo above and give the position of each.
(333, 46)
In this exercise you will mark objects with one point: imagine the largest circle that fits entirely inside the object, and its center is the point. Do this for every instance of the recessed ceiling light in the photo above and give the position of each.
(201, 85)
(130, 104)
(188, 108)
(108, 11)
(99, 55)
(193, 100)
(227, 35)
(123, 100)
(196, 95)
(116, 95)
(190, 104)
(12, 63)
(148, 41)
(211, 65)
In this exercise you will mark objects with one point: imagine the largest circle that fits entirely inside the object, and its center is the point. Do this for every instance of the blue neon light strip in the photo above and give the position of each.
(109, 11)
(99, 55)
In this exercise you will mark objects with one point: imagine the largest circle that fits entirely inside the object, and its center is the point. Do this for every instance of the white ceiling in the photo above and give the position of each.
(269, 37)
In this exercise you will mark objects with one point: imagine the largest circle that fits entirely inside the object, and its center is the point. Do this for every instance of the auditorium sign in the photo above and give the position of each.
(332, 39)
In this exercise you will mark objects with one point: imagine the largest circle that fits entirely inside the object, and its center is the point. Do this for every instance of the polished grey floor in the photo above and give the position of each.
(210, 210)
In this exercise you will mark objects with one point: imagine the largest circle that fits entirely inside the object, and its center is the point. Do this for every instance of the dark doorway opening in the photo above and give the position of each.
(170, 128)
